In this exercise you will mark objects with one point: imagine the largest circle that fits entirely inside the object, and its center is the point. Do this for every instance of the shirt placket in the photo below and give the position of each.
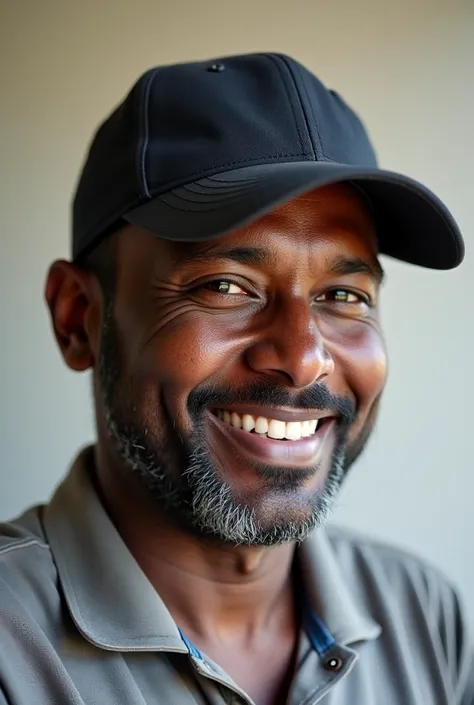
(325, 663)
(217, 686)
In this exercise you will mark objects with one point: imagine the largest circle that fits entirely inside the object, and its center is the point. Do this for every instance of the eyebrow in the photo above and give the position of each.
(357, 265)
(256, 256)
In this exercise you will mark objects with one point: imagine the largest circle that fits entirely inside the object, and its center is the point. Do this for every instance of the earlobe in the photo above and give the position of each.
(74, 305)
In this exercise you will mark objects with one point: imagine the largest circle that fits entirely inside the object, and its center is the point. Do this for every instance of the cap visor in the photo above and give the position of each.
(412, 223)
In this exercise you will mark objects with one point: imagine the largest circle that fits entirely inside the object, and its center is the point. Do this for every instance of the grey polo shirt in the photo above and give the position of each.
(80, 624)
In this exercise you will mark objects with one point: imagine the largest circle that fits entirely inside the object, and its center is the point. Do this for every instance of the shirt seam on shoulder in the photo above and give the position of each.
(25, 543)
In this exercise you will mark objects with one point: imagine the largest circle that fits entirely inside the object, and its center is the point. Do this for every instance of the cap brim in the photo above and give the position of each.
(412, 223)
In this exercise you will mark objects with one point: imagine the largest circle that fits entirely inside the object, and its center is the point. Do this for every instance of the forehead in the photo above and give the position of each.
(325, 212)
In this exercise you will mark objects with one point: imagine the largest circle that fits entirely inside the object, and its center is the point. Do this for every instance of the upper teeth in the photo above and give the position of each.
(273, 428)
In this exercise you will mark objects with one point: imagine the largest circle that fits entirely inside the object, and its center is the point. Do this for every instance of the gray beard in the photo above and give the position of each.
(204, 504)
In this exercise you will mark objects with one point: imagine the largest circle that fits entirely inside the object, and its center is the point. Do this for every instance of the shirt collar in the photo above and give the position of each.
(114, 605)
(327, 592)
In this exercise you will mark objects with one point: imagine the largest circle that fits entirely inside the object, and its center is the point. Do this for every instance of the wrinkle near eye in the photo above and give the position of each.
(163, 287)
(169, 314)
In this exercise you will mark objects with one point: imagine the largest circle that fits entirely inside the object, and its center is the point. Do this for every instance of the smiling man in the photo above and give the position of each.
(224, 290)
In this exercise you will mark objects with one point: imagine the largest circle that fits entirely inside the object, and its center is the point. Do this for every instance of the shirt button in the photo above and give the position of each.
(334, 663)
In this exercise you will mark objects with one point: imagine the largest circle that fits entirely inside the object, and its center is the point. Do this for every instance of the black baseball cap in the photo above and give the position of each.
(197, 150)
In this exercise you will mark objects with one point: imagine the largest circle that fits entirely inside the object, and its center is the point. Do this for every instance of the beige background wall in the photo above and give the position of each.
(408, 68)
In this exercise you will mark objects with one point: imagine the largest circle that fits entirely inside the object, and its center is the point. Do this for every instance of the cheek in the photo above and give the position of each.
(185, 354)
(361, 359)
(196, 349)
(363, 366)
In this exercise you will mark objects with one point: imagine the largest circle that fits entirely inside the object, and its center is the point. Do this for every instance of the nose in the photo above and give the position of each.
(290, 347)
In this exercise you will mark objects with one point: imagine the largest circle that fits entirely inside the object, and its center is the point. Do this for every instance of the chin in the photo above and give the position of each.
(267, 517)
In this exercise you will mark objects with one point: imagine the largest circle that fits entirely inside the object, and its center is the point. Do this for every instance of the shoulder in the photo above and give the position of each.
(21, 539)
(412, 600)
(388, 566)
(28, 579)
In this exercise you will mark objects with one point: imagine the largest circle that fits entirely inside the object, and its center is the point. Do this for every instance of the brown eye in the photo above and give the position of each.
(343, 296)
(225, 287)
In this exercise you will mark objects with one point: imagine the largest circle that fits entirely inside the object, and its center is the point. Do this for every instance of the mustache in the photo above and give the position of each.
(260, 393)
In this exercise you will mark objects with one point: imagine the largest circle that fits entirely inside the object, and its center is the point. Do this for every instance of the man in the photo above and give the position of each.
(224, 290)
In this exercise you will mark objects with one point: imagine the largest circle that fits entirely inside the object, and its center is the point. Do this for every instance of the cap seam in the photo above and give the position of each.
(275, 58)
(315, 121)
(146, 138)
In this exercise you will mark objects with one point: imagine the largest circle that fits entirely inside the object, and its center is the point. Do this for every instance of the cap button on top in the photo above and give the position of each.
(216, 68)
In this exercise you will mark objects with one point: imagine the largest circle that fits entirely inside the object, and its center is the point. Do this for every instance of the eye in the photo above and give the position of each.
(344, 296)
(225, 287)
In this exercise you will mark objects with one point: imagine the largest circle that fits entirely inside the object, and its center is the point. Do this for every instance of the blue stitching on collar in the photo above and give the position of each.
(190, 647)
(321, 639)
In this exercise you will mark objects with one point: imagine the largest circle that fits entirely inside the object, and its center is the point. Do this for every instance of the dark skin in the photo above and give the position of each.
(177, 330)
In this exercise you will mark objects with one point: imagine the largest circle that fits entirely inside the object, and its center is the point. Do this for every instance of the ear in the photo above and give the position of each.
(75, 303)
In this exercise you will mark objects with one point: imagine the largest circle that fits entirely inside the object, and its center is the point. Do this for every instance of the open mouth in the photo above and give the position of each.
(271, 428)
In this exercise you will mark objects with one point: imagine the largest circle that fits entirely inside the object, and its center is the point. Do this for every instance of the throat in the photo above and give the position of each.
(260, 670)
(250, 562)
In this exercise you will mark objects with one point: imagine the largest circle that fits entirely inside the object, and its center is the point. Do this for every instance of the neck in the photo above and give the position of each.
(212, 590)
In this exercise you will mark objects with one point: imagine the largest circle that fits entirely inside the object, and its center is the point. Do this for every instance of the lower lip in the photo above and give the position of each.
(303, 453)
